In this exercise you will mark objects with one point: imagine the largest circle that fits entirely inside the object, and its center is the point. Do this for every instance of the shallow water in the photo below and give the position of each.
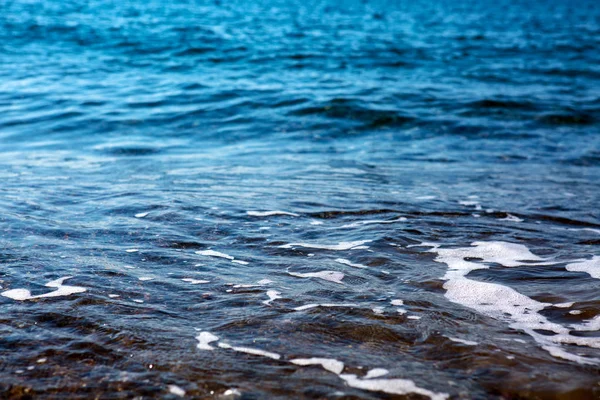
(290, 199)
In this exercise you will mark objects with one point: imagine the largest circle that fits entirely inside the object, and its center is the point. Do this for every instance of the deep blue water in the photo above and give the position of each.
(441, 153)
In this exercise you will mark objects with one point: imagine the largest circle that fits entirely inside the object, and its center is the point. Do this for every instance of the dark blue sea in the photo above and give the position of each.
(285, 199)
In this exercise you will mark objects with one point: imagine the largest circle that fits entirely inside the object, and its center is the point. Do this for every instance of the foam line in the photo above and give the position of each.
(329, 364)
(61, 290)
(332, 276)
(270, 213)
(336, 247)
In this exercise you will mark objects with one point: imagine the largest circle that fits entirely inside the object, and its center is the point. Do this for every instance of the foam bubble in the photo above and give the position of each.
(204, 338)
(332, 276)
(270, 213)
(590, 267)
(349, 263)
(336, 247)
(329, 364)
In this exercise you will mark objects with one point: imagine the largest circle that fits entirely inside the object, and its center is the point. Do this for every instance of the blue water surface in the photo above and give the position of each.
(138, 136)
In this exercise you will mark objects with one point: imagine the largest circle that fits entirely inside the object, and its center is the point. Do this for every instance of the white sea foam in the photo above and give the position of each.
(349, 263)
(564, 305)
(471, 203)
(376, 373)
(61, 290)
(590, 267)
(502, 302)
(378, 310)
(374, 221)
(511, 218)
(270, 213)
(392, 386)
(240, 262)
(145, 278)
(141, 215)
(332, 276)
(315, 305)
(336, 247)
(132, 250)
(273, 295)
(212, 253)
(413, 317)
(264, 282)
(195, 281)
(329, 364)
(316, 222)
(204, 339)
(463, 341)
(397, 302)
(249, 350)
(232, 392)
(176, 390)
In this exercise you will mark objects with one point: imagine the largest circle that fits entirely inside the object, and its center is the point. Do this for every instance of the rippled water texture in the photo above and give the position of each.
(300, 199)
